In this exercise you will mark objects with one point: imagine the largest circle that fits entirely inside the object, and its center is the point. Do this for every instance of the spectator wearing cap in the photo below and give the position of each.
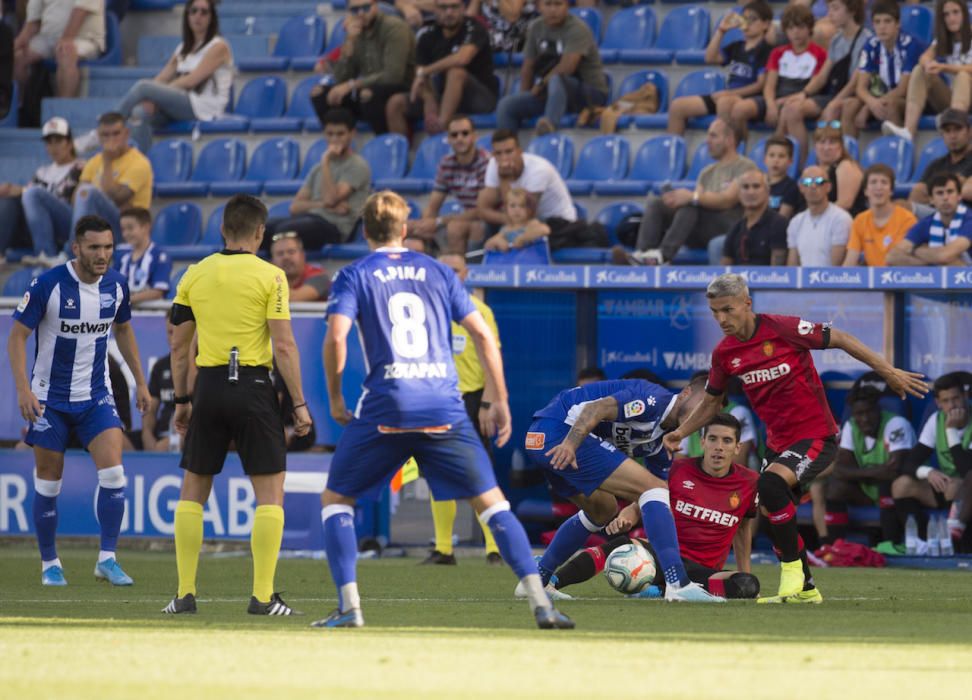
(65, 30)
(954, 127)
(844, 173)
(944, 237)
(44, 204)
(817, 236)
(307, 282)
(880, 228)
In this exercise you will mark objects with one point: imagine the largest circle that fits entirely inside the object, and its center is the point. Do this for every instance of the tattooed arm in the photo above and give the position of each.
(591, 414)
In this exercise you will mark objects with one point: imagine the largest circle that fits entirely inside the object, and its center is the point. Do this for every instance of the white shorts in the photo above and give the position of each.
(44, 46)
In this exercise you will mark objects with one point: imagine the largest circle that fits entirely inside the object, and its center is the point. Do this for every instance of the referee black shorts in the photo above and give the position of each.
(246, 413)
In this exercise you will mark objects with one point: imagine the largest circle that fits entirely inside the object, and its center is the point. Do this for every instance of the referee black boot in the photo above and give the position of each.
(276, 606)
(185, 604)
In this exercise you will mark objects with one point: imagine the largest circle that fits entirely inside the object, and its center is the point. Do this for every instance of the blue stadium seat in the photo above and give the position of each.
(301, 41)
(612, 215)
(300, 106)
(220, 160)
(279, 210)
(535, 254)
(263, 101)
(932, 150)
(414, 209)
(701, 159)
(17, 284)
(700, 82)
(81, 113)
(174, 282)
(251, 52)
(177, 224)
(659, 120)
(592, 18)
(601, 158)
(387, 156)
(274, 159)
(230, 23)
(451, 207)
(684, 29)
(895, 152)
(337, 36)
(918, 21)
(581, 210)
(629, 32)
(422, 175)
(9, 121)
(171, 161)
(659, 159)
(556, 148)
(155, 50)
(290, 186)
(758, 153)
(212, 235)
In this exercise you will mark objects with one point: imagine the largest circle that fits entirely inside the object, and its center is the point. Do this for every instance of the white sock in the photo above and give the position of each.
(45, 565)
(105, 556)
(534, 590)
(349, 597)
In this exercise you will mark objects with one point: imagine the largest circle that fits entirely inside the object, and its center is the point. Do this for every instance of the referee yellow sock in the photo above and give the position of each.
(491, 546)
(188, 542)
(268, 525)
(444, 518)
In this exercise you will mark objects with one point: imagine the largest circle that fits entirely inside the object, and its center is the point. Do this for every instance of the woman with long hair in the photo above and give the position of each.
(845, 174)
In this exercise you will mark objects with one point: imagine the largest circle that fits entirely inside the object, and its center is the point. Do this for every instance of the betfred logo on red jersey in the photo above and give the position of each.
(706, 515)
(758, 376)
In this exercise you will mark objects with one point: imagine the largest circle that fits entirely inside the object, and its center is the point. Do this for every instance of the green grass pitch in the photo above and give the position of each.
(457, 632)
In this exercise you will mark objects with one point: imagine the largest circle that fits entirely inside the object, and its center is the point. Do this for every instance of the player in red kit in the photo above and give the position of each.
(713, 502)
(771, 355)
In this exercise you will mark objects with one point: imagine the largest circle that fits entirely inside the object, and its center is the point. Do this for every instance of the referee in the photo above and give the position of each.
(237, 304)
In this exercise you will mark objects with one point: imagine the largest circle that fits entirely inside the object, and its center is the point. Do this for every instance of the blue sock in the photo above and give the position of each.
(45, 523)
(511, 538)
(570, 537)
(111, 511)
(341, 545)
(656, 516)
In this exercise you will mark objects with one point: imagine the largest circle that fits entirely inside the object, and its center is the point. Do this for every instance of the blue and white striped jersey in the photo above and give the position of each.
(72, 321)
(151, 271)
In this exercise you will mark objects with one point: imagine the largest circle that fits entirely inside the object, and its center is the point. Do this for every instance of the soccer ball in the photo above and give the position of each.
(630, 568)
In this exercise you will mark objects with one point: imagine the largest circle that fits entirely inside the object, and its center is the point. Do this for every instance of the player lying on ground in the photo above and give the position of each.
(586, 440)
(714, 504)
(402, 303)
(771, 354)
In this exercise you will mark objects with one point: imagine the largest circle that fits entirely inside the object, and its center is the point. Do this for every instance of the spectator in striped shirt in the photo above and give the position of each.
(461, 174)
(146, 265)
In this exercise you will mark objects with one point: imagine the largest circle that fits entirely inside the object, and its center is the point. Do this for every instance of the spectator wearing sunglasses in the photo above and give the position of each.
(845, 174)
(817, 237)
(377, 61)
(759, 237)
(880, 228)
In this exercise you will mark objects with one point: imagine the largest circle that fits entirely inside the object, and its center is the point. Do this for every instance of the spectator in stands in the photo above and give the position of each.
(157, 432)
(589, 375)
(561, 71)
(845, 174)
(44, 205)
(118, 178)
(873, 445)
(942, 238)
(523, 227)
(686, 217)
(876, 231)
(377, 61)
(927, 86)
(784, 195)
(511, 167)
(454, 72)
(956, 133)
(195, 83)
(948, 434)
(883, 73)
(307, 282)
(788, 70)
(746, 60)
(146, 264)
(461, 174)
(825, 94)
(817, 237)
(329, 203)
(506, 21)
(415, 11)
(759, 237)
(64, 30)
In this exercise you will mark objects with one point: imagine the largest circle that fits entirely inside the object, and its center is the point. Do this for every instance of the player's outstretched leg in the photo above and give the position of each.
(111, 511)
(45, 524)
(341, 545)
(569, 538)
(515, 550)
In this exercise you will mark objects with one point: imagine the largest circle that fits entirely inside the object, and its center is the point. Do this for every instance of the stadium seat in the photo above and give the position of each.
(301, 41)
(592, 17)
(177, 224)
(932, 150)
(115, 81)
(556, 148)
(300, 106)
(629, 32)
(759, 151)
(658, 159)
(658, 120)
(684, 31)
(290, 186)
(451, 207)
(895, 152)
(154, 50)
(601, 158)
(414, 209)
(262, 103)
(387, 156)
(81, 113)
(251, 52)
(212, 235)
(422, 174)
(17, 284)
(535, 254)
(280, 210)
(9, 120)
(337, 36)
(171, 160)
(220, 160)
(581, 210)
(274, 159)
(613, 214)
(919, 22)
(700, 82)
(174, 282)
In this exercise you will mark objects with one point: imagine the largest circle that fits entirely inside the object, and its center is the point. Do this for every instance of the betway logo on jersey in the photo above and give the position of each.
(835, 277)
(910, 278)
(544, 276)
(610, 277)
(759, 277)
(691, 277)
(706, 515)
(687, 360)
(401, 272)
(759, 376)
(415, 370)
(84, 327)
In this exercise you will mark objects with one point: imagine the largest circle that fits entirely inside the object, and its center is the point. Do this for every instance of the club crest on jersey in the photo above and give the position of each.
(768, 349)
(734, 500)
(534, 441)
(23, 302)
(634, 408)
(107, 301)
(805, 327)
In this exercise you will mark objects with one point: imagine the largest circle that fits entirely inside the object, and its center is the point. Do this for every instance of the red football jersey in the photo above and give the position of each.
(779, 377)
(709, 510)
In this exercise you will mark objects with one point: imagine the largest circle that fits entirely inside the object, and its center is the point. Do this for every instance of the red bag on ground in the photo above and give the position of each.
(844, 553)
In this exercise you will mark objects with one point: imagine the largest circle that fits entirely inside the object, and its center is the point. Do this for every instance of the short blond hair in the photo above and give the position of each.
(385, 214)
(518, 193)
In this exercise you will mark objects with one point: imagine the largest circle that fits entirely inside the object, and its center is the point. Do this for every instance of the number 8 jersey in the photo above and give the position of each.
(403, 304)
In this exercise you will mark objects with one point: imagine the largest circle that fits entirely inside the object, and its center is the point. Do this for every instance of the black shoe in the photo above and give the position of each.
(276, 606)
(185, 604)
(494, 559)
(437, 557)
(552, 619)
